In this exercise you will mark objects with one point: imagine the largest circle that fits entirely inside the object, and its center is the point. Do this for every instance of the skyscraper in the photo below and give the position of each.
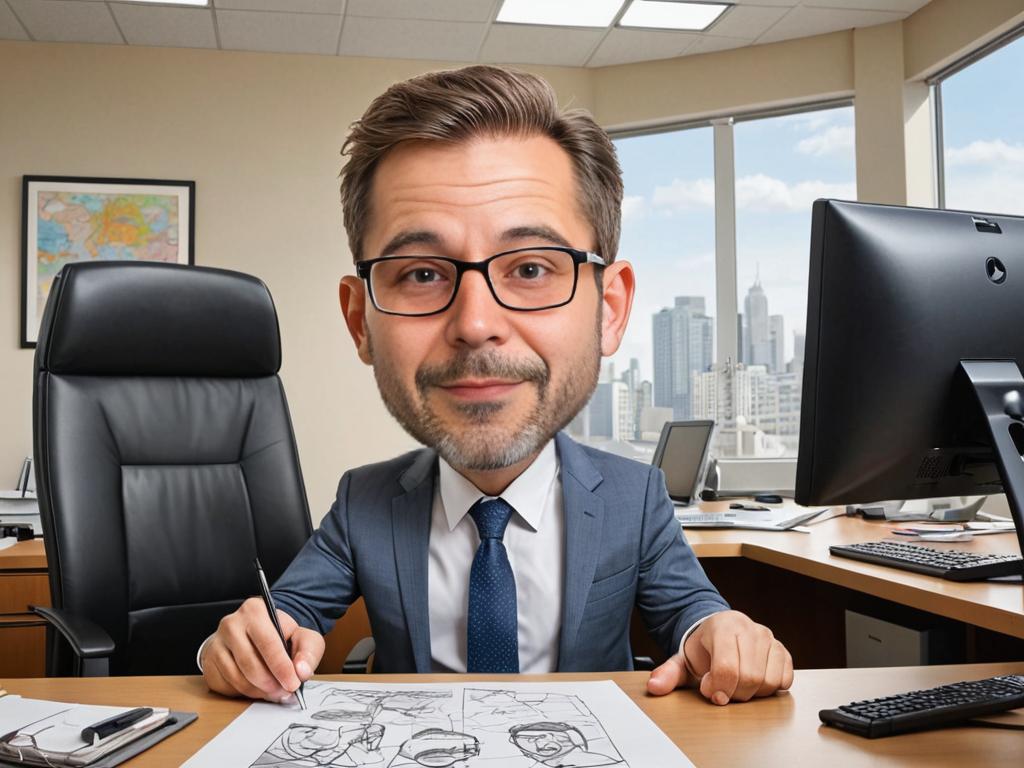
(757, 349)
(777, 343)
(683, 344)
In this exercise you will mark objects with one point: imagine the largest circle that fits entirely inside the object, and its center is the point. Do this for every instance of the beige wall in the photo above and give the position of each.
(260, 134)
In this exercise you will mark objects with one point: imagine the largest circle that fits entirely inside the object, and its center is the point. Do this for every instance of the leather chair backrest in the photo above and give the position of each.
(164, 451)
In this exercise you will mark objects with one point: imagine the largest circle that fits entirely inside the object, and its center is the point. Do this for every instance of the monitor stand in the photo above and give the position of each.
(999, 387)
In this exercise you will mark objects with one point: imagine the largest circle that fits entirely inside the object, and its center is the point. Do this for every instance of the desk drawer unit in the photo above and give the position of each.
(22, 634)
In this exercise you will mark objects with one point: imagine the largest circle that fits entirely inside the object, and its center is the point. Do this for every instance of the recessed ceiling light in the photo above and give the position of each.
(669, 14)
(564, 13)
(169, 2)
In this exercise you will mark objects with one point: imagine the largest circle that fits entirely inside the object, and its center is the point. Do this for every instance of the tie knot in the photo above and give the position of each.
(491, 516)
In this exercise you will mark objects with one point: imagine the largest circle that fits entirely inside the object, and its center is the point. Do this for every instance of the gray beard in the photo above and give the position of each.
(490, 444)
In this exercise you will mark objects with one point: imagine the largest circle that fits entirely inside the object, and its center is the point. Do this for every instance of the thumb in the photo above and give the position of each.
(667, 677)
(307, 650)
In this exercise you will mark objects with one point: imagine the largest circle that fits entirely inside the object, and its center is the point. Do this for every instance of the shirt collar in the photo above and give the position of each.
(527, 493)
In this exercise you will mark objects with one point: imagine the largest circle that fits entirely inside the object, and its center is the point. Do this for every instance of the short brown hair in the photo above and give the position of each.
(480, 100)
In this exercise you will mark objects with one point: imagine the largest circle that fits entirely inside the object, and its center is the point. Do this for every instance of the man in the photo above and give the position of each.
(484, 224)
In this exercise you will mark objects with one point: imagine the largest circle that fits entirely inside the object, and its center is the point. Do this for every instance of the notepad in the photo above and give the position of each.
(49, 733)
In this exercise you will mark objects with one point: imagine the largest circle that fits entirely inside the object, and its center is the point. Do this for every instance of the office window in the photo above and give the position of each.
(668, 234)
(982, 119)
(782, 164)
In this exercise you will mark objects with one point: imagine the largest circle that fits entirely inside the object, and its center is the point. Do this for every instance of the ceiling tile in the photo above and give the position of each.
(710, 43)
(747, 21)
(439, 10)
(278, 32)
(291, 6)
(10, 29)
(624, 46)
(162, 25)
(803, 22)
(411, 38)
(904, 6)
(66, 21)
(533, 44)
(778, 3)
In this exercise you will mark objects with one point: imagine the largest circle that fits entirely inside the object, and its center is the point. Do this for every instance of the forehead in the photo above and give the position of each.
(473, 191)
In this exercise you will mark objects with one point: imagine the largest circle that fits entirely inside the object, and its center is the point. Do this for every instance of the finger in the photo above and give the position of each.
(773, 670)
(307, 650)
(667, 677)
(754, 647)
(272, 656)
(787, 671)
(235, 683)
(240, 659)
(725, 667)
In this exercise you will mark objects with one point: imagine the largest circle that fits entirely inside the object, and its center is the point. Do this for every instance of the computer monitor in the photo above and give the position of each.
(682, 454)
(912, 367)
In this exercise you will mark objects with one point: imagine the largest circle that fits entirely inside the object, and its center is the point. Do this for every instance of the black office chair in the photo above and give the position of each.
(165, 461)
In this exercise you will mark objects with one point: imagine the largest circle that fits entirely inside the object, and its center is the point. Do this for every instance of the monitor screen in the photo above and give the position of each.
(681, 455)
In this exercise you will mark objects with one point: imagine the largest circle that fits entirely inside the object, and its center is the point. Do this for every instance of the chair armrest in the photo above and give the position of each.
(90, 642)
(358, 659)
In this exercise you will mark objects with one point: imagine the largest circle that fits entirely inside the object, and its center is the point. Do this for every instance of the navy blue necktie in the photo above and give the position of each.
(492, 639)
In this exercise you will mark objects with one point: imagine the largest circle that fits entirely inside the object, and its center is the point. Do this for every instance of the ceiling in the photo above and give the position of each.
(444, 30)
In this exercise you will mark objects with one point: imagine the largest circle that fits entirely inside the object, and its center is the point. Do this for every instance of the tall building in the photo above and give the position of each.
(683, 345)
(757, 348)
(610, 413)
(777, 342)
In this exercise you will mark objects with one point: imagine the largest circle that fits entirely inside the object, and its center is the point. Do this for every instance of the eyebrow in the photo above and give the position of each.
(428, 237)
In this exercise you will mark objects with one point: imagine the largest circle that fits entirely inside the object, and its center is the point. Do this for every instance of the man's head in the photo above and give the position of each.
(464, 165)
(545, 740)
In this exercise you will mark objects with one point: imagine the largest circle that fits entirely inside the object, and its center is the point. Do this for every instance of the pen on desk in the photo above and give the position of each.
(115, 724)
(272, 610)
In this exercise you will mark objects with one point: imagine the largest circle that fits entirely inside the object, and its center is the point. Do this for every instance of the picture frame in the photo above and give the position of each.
(79, 218)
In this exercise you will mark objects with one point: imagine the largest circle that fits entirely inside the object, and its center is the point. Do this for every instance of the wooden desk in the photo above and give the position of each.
(780, 731)
(23, 582)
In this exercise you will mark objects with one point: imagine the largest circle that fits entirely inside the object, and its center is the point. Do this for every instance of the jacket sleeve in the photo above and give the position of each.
(673, 591)
(320, 583)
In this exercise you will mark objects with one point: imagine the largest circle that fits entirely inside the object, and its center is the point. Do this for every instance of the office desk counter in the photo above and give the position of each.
(779, 731)
(998, 606)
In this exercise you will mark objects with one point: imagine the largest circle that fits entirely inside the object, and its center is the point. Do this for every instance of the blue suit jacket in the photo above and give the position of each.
(623, 547)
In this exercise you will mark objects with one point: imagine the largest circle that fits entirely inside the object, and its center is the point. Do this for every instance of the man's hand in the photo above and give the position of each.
(246, 658)
(734, 659)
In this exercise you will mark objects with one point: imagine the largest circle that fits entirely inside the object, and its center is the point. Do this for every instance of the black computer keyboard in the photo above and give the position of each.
(952, 564)
(933, 708)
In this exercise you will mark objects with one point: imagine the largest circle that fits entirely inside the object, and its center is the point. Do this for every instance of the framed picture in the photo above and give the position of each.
(66, 219)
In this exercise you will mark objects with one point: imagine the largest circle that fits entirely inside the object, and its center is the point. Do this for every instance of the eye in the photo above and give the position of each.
(529, 270)
(422, 275)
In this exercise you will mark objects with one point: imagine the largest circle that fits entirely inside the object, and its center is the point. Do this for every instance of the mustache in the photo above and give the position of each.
(488, 364)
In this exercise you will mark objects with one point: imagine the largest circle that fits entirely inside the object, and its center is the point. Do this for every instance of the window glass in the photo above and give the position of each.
(983, 133)
(668, 235)
(783, 164)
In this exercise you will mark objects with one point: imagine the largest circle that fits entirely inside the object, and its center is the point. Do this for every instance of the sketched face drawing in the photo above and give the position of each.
(544, 741)
(437, 748)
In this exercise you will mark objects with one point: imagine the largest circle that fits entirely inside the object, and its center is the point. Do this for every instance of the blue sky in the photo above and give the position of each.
(668, 231)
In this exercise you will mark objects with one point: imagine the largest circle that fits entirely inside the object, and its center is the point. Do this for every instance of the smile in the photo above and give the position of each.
(480, 389)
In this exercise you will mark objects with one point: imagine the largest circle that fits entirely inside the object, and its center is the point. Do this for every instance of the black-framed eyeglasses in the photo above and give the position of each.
(525, 279)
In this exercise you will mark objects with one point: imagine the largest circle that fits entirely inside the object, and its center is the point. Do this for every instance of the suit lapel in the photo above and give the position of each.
(410, 525)
(584, 516)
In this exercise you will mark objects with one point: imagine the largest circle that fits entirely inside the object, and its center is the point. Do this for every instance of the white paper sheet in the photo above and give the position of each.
(466, 725)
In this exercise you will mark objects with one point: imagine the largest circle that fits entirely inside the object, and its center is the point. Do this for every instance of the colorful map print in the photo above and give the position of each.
(76, 226)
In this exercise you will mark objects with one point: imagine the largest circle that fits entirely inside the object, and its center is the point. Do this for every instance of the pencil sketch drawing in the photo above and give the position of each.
(478, 728)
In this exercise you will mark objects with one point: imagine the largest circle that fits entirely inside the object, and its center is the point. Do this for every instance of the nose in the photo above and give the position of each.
(475, 318)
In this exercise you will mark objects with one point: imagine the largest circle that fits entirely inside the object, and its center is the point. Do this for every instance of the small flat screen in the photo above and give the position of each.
(680, 455)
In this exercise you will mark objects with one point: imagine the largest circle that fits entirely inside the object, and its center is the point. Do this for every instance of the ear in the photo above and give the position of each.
(619, 283)
(352, 295)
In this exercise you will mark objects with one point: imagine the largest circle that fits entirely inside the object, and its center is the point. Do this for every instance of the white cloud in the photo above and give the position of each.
(995, 152)
(833, 140)
(996, 191)
(633, 207)
(683, 195)
(754, 193)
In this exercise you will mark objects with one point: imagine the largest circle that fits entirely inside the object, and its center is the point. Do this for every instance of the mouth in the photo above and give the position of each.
(480, 389)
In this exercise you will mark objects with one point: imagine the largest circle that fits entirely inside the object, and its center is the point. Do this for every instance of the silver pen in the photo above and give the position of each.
(272, 610)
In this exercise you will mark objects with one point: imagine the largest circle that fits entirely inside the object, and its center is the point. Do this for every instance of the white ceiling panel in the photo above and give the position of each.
(778, 3)
(747, 21)
(904, 6)
(624, 46)
(411, 39)
(291, 6)
(437, 10)
(10, 28)
(278, 32)
(66, 21)
(165, 26)
(712, 43)
(801, 22)
(527, 44)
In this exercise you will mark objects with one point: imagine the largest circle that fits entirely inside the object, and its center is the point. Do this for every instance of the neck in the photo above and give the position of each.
(493, 482)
